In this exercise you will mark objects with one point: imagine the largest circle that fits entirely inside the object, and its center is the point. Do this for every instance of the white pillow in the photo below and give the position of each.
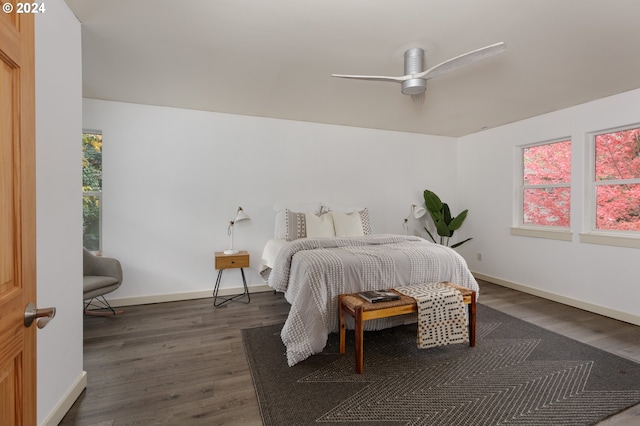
(347, 224)
(342, 209)
(319, 226)
(362, 211)
(280, 229)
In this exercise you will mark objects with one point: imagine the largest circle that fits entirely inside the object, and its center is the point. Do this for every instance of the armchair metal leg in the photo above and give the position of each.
(101, 307)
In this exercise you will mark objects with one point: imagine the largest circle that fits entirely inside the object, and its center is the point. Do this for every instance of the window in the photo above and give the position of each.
(546, 185)
(91, 190)
(617, 180)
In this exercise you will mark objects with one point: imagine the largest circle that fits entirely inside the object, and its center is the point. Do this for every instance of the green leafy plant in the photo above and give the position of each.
(442, 219)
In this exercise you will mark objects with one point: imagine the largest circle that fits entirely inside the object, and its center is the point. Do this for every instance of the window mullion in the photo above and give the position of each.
(617, 182)
(549, 185)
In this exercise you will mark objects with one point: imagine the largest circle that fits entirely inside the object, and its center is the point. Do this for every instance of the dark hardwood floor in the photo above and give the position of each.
(183, 363)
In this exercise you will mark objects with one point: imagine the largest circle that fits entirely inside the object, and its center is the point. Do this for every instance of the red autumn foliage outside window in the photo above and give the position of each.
(547, 184)
(617, 179)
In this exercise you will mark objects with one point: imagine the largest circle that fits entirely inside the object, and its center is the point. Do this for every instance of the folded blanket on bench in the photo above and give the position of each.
(442, 317)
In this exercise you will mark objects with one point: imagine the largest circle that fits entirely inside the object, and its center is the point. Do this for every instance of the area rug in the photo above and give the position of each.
(518, 373)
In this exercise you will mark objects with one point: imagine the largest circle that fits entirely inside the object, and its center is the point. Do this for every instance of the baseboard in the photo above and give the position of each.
(190, 295)
(57, 414)
(601, 310)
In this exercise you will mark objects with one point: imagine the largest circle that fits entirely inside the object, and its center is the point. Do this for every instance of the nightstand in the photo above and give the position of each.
(229, 261)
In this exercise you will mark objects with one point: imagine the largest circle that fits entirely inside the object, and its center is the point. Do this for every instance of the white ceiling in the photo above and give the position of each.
(273, 58)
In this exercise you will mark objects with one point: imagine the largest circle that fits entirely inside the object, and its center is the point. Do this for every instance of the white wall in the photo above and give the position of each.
(173, 178)
(600, 278)
(59, 216)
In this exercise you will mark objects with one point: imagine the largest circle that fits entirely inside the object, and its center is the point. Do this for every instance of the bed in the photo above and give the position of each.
(313, 271)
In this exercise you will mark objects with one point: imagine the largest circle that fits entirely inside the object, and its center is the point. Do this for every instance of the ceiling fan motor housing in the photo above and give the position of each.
(413, 64)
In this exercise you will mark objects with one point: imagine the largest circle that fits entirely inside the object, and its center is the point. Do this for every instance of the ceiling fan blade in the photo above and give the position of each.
(462, 61)
(374, 77)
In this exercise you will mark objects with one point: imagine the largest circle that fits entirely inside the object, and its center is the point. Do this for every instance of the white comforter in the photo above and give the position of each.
(313, 272)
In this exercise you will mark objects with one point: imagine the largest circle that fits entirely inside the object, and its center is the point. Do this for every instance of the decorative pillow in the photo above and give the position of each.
(362, 211)
(295, 225)
(341, 209)
(319, 226)
(281, 229)
(347, 224)
(364, 217)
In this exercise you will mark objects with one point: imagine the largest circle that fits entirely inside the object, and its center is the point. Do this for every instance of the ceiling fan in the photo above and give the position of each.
(414, 82)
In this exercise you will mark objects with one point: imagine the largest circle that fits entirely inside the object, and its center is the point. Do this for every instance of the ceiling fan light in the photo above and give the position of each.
(415, 86)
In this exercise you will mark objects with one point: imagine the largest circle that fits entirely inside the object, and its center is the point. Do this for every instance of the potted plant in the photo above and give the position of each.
(442, 219)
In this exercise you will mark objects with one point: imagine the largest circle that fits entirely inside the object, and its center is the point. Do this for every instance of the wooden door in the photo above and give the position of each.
(17, 217)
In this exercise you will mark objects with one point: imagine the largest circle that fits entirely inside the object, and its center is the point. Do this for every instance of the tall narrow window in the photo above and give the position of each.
(92, 190)
(546, 184)
(617, 180)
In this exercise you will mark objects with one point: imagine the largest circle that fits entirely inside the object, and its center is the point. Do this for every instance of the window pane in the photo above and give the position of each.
(91, 222)
(92, 187)
(91, 162)
(548, 206)
(618, 207)
(618, 155)
(547, 164)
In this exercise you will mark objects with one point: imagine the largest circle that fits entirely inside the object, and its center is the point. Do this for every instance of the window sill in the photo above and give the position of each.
(617, 240)
(550, 234)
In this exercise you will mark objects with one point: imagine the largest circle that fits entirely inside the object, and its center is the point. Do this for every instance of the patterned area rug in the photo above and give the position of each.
(518, 374)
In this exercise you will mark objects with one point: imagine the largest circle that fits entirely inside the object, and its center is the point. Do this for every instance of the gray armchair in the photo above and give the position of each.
(102, 275)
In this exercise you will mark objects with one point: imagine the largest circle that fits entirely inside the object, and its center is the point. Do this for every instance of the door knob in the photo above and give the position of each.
(40, 316)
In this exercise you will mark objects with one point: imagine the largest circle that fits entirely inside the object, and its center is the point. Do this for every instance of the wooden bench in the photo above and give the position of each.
(361, 311)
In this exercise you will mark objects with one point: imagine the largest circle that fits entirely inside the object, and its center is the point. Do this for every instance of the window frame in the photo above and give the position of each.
(97, 194)
(519, 228)
(590, 234)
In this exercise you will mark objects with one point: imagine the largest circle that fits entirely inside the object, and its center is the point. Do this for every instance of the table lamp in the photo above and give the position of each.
(240, 216)
(417, 212)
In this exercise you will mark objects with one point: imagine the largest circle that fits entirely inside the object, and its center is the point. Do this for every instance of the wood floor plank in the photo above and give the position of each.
(184, 362)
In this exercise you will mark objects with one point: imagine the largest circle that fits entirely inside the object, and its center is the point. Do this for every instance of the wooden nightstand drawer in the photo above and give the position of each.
(226, 261)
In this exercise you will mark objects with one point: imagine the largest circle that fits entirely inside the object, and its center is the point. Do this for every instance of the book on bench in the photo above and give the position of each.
(375, 296)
